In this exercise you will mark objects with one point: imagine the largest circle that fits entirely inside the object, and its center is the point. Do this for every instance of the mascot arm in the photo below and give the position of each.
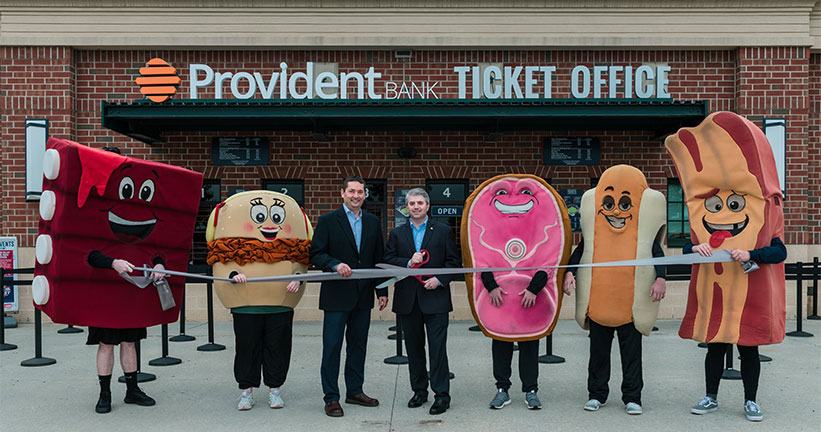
(98, 260)
(576, 257)
(538, 282)
(661, 271)
(489, 281)
(775, 253)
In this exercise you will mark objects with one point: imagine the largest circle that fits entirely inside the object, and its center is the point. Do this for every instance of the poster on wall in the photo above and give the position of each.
(8, 260)
(400, 210)
(573, 201)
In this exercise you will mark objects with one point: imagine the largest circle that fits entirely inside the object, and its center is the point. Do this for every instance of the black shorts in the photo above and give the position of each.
(111, 336)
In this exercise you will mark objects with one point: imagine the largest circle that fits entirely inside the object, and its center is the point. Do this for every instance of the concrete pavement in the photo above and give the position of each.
(201, 394)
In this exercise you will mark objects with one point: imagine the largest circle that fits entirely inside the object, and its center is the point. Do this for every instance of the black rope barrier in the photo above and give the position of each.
(38, 359)
(815, 276)
(399, 358)
(210, 346)
(182, 337)
(549, 357)
(141, 376)
(70, 329)
(799, 282)
(165, 360)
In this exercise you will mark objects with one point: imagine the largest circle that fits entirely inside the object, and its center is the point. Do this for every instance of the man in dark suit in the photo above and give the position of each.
(347, 238)
(424, 305)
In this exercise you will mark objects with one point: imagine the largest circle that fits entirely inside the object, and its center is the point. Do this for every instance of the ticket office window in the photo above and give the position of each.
(293, 188)
(376, 202)
(447, 201)
(209, 198)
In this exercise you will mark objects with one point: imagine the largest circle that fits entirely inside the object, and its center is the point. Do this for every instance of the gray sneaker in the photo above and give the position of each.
(593, 405)
(633, 408)
(500, 400)
(707, 405)
(532, 400)
(753, 411)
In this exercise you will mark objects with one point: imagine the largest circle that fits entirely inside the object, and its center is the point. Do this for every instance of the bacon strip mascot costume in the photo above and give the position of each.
(730, 182)
(622, 219)
(515, 220)
(256, 234)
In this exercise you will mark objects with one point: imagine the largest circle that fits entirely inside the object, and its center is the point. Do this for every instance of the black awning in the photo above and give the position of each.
(147, 121)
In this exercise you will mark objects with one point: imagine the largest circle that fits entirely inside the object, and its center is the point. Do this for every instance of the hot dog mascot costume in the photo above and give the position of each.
(515, 220)
(255, 234)
(621, 219)
(730, 183)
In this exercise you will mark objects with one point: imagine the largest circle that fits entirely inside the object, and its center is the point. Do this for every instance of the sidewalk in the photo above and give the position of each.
(200, 394)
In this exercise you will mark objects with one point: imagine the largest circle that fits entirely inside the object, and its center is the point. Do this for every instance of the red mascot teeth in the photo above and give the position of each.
(515, 221)
(124, 208)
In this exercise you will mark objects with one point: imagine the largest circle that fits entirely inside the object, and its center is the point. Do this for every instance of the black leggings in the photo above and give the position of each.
(714, 367)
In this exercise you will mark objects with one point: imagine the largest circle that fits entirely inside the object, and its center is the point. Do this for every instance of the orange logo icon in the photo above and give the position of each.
(158, 80)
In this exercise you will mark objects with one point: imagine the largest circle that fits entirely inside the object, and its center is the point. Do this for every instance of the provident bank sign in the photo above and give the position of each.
(491, 82)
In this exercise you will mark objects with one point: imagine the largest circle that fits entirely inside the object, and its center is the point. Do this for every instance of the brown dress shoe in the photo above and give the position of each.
(333, 409)
(362, 399)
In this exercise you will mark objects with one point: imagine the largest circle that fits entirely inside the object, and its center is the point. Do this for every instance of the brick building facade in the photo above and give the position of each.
(67, 84)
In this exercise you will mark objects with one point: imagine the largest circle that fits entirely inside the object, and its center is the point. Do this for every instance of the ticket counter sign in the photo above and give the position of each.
(8, 260)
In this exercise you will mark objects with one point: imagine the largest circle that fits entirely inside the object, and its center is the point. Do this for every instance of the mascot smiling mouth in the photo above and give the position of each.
(734, 229)
(616, 222)
(129, 231)
(269, 233)
(513, 209)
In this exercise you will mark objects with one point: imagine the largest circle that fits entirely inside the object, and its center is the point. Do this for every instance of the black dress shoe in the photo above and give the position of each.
(417, 400)
(136, 396)
(439, 406)
(104, 403)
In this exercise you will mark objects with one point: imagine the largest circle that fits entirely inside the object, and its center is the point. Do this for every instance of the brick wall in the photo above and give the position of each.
(814, 152)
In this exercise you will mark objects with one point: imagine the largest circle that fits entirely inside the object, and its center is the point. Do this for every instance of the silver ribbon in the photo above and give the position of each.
(396, 273)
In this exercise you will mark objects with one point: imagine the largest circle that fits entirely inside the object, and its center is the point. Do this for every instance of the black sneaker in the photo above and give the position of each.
(103, 403)
(136, 396)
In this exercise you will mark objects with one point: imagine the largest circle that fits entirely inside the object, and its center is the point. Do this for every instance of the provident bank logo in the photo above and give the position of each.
(158, 80)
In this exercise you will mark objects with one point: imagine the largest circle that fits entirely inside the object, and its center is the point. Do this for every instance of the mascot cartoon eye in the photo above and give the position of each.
(259, 213)
(501, 192)
(736, 202)
(527, 192)
(625, 203)
(126, 190)
(608, 203)
(277, 214)
(713, 204)
(147, 190)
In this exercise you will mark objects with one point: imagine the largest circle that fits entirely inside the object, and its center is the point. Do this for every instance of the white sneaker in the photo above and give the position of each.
(633, 408)
(593, 405)
(246, 400)
(275, 398)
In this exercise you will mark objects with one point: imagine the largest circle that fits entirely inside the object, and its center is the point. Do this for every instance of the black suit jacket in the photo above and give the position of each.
(333, 243)
(440, 244)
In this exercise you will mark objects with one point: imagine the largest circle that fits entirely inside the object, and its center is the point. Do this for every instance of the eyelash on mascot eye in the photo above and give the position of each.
(736, 193)
(277, 202)
(256, 201)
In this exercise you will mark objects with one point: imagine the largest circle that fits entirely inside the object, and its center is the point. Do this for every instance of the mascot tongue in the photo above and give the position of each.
(718, 238)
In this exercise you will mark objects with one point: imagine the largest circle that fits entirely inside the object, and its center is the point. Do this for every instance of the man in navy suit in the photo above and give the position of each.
(347, 238)
(425, 305)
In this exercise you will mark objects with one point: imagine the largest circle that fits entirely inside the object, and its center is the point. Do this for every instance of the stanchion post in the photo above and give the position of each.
(182, 337)
(398, 359)
(38, 359)
(475, 328)
(799, 282)
(165, 360)
(3, 345)
(548, 357)
(210, 346)
(70, 330)
(730, 373)
(815, 277)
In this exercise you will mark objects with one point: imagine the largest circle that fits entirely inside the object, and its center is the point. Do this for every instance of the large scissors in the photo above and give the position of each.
(426, 258)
